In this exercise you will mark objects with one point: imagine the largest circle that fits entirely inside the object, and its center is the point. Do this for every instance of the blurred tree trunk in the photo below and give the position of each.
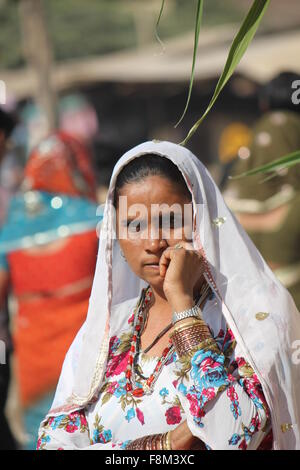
(145, 15)
(38, 53)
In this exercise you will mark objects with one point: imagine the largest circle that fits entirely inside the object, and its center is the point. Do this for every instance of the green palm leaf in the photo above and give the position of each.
(157, 24)
(237, 50)
(199, 15)
(283, 162)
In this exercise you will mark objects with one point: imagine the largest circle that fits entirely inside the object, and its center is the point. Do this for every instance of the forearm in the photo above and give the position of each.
(211, 395)
(227, 423)
(179, 438)
(50, 442)
(71, 432)
(160, 441)
(183, 439)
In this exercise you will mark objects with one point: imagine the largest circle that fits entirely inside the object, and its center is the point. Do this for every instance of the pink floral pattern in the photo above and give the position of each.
(173, 415)
(184, 388)
(75, 421)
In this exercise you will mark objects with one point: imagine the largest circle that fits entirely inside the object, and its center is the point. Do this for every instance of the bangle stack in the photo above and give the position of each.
(152, 442)
(190, 334)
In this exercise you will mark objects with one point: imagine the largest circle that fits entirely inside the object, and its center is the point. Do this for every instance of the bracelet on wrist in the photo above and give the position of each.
(191, 322)
(191, 312)
(167, 441)
(151, 442)
(196, 326)
(189, 337)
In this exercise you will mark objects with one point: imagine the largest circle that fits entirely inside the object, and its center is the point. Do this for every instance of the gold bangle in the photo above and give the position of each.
(164, 446)
(189, 324)
(161, 442)
(201, 330)
(155, 442)
(192, 331)
(149, 442)
(198, 326)
(180, 328)
(187, 321)
(168, 445)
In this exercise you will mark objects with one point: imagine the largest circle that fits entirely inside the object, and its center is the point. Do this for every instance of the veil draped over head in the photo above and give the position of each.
(258, 309)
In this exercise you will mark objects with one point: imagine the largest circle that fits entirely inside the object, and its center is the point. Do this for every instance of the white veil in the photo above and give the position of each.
(258, 309)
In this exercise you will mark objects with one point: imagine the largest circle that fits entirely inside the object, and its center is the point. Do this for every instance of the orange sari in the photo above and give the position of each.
(52, 290)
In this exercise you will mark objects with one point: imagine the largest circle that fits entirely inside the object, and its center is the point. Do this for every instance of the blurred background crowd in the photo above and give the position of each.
(80, 83)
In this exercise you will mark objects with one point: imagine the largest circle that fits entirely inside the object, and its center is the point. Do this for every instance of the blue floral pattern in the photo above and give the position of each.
(211, 380)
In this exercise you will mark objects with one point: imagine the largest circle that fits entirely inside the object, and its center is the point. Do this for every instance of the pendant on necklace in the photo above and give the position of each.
(147, 389)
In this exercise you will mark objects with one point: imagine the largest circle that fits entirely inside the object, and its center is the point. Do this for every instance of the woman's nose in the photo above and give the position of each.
(155, 244)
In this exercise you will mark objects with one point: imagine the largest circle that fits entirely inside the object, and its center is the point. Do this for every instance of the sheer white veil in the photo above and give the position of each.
(259, 310)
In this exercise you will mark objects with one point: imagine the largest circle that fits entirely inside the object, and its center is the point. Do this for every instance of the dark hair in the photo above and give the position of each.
(277, 93)
(7, 123)
(149, 165)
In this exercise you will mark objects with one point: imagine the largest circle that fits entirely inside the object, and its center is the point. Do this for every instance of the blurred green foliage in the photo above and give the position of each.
(80, 28)
(10, 35)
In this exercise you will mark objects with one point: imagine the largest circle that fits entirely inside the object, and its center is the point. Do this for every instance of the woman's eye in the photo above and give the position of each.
(175, 221)
(134, 227)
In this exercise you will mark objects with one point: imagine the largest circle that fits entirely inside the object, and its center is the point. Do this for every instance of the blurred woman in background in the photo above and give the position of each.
(48, 249)
(269, 210)
(7, 441)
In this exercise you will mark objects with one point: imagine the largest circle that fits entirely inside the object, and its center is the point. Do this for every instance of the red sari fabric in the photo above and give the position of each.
(46, 326)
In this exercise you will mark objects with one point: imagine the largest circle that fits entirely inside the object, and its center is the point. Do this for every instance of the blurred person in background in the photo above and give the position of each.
(269, 210)
(78, 117)
(234, 140)
(48, 249)
(9, 162)
(7, 124)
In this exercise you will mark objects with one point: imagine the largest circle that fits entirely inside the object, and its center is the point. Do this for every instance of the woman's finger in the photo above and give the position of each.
(167, 256)
(164, 261)
(169, 253)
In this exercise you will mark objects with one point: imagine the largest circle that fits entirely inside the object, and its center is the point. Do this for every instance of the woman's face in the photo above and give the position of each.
(152, 214)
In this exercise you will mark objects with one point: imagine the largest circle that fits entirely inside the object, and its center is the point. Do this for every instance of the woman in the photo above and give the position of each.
(48, 249)
(227, 361)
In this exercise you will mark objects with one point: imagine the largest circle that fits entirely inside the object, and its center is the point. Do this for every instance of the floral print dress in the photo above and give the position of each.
(215, 390)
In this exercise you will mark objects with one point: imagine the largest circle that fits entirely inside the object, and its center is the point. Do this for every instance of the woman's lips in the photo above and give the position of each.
(152, 266)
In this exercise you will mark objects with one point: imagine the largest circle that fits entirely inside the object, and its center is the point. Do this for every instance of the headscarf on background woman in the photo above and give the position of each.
(268, 210)
(258, 310)
(48, 249)
(58, 196)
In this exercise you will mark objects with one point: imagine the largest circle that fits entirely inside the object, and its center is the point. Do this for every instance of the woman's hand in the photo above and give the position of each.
(183, 439)
(181, 269)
